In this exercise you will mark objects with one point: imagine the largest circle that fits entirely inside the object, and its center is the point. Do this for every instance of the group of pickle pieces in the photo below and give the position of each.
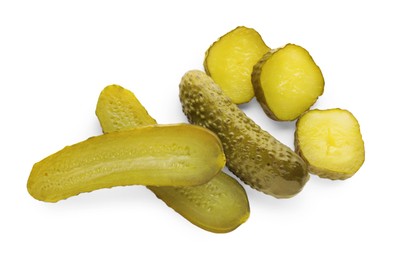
(182, 163)
(287, 82)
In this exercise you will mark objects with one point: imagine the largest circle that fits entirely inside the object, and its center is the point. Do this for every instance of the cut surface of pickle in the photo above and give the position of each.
(165, 155)
(220, 205)
(331, 143)
(287, 82)
(230, 60)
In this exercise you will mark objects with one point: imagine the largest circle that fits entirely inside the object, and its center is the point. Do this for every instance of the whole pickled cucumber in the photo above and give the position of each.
(220, 205)
(252, 154)
(163, 155)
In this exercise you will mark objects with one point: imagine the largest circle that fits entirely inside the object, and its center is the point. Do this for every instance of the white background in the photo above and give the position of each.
(56, 57)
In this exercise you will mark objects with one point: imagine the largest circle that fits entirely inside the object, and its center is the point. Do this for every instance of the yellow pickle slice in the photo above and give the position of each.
(330, 142)
(220, 205)
(166, 155)
(230, 60)
(287, 82)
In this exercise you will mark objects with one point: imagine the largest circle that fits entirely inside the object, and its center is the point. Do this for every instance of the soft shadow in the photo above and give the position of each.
(104, 198)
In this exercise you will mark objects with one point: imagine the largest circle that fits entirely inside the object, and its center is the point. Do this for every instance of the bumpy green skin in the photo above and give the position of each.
(220, 205)
(252, 154)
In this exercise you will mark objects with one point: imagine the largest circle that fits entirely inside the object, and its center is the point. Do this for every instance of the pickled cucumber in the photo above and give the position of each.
(119, 109)
(230, 60)
(252, 154)
(287, 82)
(152, 155)
(331, 143)
(220, 205)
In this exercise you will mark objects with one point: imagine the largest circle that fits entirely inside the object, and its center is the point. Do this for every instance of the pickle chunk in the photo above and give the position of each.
(230, 60)
(287, 82)
(220, 205)
(331, 143)
(167, 155)
(253, 155)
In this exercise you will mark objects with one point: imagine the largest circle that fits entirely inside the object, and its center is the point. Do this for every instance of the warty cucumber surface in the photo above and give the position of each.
(252, 154)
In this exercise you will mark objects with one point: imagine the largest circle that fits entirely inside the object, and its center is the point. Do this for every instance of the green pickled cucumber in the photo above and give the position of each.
(220, 205)
(163, 155)
(252, 154)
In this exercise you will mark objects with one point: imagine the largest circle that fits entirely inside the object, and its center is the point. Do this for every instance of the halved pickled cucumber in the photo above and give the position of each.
(331, 143)
(253, 155)
(153, 155)
(230, 60)
(220, 205)
(287, 82)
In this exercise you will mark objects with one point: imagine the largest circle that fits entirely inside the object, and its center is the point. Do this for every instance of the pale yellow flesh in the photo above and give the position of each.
(166, 155)
(230, 61)
(291, 82)
(331, 142)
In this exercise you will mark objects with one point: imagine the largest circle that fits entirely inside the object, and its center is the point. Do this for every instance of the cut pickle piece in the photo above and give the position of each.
(220, 205)
(166, 155)
(287, 82)
(230, 60)
(253, 154)
(330, 142)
